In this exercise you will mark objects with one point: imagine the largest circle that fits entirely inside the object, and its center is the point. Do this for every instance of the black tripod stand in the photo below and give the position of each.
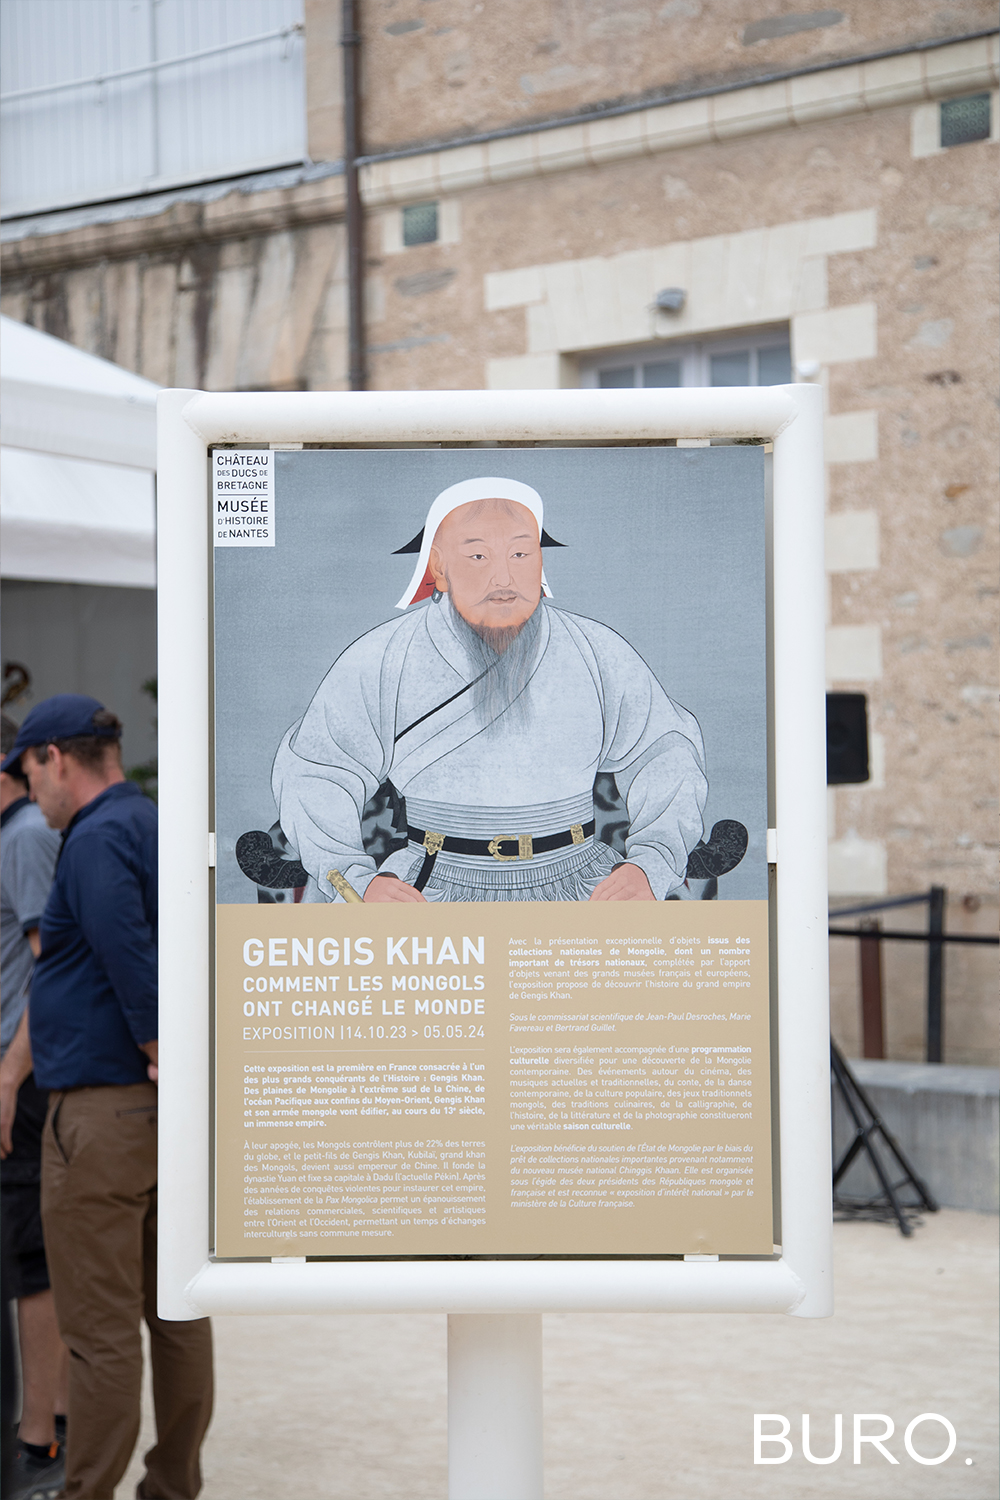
(895, 1199)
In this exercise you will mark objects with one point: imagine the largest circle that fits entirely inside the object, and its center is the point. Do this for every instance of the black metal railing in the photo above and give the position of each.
(871, 935)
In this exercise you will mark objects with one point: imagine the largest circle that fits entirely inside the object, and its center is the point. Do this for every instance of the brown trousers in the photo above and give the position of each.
(99, 1216)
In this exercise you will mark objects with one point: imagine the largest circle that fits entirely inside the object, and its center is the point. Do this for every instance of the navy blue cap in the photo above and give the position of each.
(62, 717)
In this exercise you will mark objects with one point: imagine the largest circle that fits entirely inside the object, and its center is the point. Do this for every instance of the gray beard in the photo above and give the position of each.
(503, 658)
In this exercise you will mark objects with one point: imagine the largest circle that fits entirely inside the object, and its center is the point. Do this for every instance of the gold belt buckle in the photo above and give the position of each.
(522, 840)
(503, 838)
(433, 842)
(576, 833)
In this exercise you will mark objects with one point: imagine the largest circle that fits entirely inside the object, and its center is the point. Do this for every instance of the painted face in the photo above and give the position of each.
(48, 787)
(486, 555)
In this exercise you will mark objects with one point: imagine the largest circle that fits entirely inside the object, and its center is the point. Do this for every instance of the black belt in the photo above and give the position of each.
(527, 845)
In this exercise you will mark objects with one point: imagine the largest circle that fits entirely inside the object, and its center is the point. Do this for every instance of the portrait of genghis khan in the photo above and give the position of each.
(491, 712)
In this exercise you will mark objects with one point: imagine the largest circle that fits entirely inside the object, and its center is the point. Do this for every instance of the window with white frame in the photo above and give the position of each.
(761, 358)
(105, 99)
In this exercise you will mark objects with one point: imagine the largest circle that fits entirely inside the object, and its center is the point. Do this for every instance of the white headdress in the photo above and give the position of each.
(421, 584)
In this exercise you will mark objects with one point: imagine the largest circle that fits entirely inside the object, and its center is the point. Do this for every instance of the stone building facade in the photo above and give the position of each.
(534, 176)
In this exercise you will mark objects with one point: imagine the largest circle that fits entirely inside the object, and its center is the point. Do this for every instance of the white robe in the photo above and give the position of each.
(593, 705)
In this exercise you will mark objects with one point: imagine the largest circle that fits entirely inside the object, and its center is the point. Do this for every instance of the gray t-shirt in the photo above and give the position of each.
(28, 850)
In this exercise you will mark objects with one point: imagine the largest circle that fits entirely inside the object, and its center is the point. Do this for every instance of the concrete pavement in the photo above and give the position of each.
(640, 1408)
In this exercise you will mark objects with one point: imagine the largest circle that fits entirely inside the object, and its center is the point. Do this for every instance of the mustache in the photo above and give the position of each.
(505, 596)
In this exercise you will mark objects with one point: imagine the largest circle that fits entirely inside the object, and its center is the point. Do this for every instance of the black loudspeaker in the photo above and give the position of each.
(846, 738)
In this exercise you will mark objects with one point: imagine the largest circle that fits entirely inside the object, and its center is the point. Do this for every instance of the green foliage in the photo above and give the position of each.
(146, 774)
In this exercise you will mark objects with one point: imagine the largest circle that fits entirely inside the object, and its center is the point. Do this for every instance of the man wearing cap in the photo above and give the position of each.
(490, 711)
(93, 1031)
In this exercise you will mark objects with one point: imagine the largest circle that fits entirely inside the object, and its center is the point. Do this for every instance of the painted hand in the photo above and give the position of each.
(388, 888)
(625, 883)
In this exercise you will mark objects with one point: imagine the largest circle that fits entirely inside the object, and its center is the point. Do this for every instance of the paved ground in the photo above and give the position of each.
(640, 1408)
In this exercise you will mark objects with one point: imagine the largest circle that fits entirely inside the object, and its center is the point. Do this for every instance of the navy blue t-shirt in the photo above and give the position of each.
(94, 990)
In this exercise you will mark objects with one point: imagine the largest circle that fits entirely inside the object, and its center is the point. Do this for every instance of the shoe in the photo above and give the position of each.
(34, 1478)
(263, 860)
(723, 852)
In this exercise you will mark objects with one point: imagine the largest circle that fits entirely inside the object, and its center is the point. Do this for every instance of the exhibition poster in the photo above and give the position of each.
(492, 937)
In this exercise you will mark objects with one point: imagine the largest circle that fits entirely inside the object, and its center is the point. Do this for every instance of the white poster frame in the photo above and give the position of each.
(798, 1278)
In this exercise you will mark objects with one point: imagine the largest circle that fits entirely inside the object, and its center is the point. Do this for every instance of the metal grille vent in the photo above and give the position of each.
(964, 120)
(420, 224)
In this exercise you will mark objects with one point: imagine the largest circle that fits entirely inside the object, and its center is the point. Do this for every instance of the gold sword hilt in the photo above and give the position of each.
(343, 888)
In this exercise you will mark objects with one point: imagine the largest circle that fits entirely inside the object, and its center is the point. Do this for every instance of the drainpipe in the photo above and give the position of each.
(351, 49)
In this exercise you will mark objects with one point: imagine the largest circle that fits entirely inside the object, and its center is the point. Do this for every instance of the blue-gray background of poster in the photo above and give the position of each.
(665, 545)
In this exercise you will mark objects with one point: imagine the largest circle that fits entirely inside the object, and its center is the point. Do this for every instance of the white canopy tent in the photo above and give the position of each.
(77, 464)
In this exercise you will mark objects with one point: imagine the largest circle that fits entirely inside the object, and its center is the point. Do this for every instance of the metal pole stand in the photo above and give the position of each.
(495, 1406)
(935, 974)
(868, 1127)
